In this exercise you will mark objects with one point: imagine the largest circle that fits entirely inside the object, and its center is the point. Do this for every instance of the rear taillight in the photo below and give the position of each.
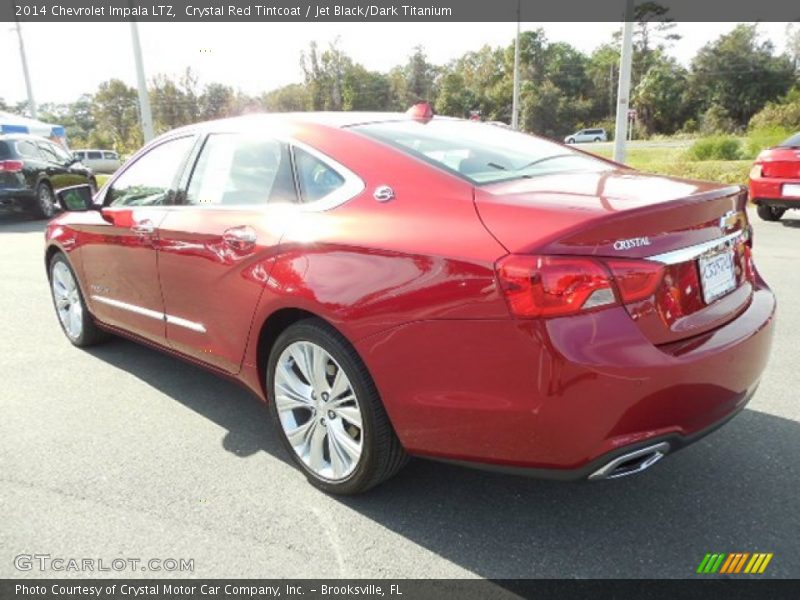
(10, 166)
(636, 279)
(556, 286)
(755, 171)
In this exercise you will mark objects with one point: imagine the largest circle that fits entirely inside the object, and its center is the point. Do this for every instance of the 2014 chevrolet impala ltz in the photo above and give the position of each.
(401, 284)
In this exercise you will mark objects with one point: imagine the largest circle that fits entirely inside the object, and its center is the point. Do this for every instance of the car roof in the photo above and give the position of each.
(336, 120)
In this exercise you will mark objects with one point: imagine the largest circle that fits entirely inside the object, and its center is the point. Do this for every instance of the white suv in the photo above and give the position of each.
(587, 135)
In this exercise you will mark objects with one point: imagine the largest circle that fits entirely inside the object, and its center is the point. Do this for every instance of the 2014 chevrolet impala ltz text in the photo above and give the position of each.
(402, 284)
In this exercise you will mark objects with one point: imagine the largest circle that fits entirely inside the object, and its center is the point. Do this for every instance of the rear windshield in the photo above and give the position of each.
(480, 152)
(4, 150)
(792, 142)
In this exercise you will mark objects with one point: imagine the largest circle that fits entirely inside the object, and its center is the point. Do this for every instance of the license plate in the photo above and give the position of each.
(791, 189)
(717, 275)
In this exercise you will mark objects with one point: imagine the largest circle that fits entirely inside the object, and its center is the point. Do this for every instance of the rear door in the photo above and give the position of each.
(119, 256)
(216, 249)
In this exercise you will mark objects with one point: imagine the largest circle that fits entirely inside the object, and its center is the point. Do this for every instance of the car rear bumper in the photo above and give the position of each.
(557, 398)
(770, 192)
(16, 197)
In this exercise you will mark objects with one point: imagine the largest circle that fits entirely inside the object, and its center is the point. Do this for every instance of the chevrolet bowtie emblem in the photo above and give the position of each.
(728, 221)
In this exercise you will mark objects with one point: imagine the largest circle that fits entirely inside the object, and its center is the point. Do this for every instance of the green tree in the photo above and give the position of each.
(660, 96)
(739, 73)
(289, 98)
(115, 111)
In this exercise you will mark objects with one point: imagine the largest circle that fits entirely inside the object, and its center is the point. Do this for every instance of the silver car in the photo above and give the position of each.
(587, 135)
(100, 161)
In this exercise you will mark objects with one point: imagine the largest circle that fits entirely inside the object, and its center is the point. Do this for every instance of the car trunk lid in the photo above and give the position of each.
(698, 232)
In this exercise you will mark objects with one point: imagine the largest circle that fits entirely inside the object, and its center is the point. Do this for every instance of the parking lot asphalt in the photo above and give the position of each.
(124, 452)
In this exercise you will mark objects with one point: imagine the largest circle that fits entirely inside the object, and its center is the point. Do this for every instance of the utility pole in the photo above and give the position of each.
(515, 102)
(624, 88)
(144, 99)
(31, 101)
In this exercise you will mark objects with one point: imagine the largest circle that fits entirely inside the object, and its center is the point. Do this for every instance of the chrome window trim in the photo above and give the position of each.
(353, 184)
(693, 252)
(153, 314)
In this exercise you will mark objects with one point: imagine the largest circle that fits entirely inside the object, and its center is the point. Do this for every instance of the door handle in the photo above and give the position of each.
(241, 239)
(143, 227)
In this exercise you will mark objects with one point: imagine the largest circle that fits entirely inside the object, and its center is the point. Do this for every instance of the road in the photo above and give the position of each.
(122, 451)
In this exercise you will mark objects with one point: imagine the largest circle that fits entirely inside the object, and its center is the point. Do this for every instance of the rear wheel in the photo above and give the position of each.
(76, 322)
(597, 139)
(328, 412)
(45, 205)
(770, 213)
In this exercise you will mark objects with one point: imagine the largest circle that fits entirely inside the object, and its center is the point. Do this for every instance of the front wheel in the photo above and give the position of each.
(328, 412)
(571, 141)
(769, 213)
(76, 322)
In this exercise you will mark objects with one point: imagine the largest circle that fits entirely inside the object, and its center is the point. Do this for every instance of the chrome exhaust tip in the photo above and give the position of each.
(632, 462)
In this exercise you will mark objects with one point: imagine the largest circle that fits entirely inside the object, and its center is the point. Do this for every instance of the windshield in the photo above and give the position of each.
(792, 142)
(480, 152)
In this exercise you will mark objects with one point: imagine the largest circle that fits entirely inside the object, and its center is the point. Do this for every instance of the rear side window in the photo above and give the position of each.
(792, 142)
(5, 151)
(241, 170)
(149, 181)
(26, 149)
(79, 155)
(315, 178)
(94, 155)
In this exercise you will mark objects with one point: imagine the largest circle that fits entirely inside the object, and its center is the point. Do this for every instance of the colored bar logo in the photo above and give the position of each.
(734, 563)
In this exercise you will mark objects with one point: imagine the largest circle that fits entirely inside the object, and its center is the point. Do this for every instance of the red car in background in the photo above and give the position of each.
(398, 285)
(775, 179)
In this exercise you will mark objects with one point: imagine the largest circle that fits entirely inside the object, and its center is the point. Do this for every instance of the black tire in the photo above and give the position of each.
(571, 141)
(597, 139)
(44, 205)
(90, 334)
(769, 213)
(382, 454)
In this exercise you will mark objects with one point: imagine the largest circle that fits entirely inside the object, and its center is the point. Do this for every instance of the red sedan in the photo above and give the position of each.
(775, 179)
(398, 286)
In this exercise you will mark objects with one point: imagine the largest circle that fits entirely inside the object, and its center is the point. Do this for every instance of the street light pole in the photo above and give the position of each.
(144, 99)
(624, 88)
(515, 102)
(31, 101)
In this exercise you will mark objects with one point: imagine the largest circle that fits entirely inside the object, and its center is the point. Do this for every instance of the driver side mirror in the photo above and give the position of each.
(77, 198)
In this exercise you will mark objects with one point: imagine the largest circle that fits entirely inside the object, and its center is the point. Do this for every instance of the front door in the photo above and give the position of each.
(119, 258)
(217, 248)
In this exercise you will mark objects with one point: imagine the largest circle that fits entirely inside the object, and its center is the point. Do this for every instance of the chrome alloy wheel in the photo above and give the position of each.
(318, 411)
(67, 300)
(47, 203)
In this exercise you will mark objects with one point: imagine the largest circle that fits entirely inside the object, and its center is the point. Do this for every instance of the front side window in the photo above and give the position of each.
(110, 155)
(241, 170)
(48, 152)
(149, 181)
(479, 152)
(315, 178)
